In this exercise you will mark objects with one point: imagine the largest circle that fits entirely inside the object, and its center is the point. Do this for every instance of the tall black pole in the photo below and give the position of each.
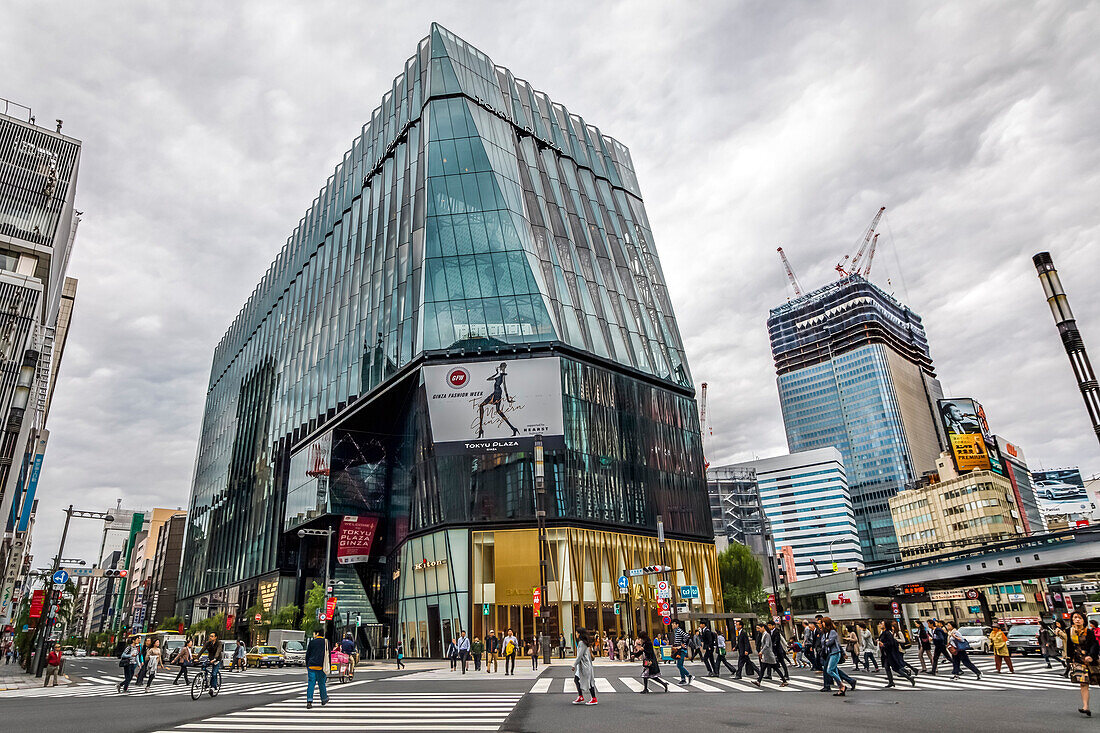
(1071, 337)
(47, 610)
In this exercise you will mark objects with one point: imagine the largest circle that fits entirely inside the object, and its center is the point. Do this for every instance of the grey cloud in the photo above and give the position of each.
(209, 128)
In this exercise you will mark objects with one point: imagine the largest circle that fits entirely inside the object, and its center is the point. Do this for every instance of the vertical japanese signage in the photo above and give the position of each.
(38, 600)
(536, 599)
(356, 536)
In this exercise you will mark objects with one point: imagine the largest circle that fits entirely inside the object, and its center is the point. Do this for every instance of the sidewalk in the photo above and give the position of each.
(14, 678)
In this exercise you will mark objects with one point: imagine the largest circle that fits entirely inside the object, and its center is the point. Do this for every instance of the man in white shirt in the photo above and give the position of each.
(463, 645)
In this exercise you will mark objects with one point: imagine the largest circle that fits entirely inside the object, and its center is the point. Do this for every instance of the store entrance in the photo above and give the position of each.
(435, 648)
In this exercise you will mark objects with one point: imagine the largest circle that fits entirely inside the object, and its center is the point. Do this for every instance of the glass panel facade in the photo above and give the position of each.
(472, 215)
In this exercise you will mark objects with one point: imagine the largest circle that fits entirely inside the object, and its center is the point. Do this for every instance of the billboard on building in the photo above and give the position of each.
(356, 537)
(495, 406)
(1070, 475)
(967, 431)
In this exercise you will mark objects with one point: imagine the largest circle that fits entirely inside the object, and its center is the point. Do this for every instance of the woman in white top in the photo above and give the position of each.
(152, 663)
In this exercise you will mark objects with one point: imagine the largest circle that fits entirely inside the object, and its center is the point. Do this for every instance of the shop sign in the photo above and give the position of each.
(536, 599)
(38, 600)
(356, 536)
(947, 595)
(426, 563)
(1017, 598)
(835, 600)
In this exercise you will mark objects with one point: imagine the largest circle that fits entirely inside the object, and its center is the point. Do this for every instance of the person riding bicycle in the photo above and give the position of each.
(214, 648)
(347, 646)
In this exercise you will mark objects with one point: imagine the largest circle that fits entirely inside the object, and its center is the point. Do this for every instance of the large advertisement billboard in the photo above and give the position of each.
(495, 406)
(967, 431)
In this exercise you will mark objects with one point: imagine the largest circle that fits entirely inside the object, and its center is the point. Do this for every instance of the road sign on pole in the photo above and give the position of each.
(60, 577)
(689, 591)
(663, 589)
(624, 582)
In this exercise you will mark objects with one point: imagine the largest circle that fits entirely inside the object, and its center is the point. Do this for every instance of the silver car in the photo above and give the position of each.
(978, 636)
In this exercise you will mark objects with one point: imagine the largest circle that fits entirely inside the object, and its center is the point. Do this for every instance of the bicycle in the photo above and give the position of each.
(201, 683)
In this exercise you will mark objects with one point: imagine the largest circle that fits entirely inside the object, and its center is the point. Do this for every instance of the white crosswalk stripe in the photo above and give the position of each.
(365, 711)
(163, 689)
(802, 681)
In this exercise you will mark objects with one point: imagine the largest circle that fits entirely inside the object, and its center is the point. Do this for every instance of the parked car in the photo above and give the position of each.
(978, 636)
(1023, 639)
(80, 652)
(265, 656)
(68, 651)
(1053, 490)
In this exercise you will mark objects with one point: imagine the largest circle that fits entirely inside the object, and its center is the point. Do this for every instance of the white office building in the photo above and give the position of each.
(806, 500)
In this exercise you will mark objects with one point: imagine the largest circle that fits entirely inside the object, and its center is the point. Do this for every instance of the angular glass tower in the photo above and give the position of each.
(855, 373)
(475, 233)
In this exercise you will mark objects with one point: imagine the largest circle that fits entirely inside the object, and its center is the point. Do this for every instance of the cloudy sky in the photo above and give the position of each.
(208, 128)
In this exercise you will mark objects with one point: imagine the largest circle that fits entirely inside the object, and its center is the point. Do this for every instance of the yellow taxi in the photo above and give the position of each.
(265, 656)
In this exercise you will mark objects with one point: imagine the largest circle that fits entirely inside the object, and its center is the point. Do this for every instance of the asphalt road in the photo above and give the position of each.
(383, 699)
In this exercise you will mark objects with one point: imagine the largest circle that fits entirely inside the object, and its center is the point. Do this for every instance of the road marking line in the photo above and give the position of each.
(542, 685)
(604, 685)
(739, 686)
(702, 686)
(633, 684)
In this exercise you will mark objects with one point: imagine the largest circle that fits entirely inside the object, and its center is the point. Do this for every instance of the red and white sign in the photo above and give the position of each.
(38, 600)
(663, 609)
(1081, 523)
(258, 617)
(458, 378)
(356, 536)
(229, 622)
(842, 600)
(896, 607)
(330, 607)
(536, 599)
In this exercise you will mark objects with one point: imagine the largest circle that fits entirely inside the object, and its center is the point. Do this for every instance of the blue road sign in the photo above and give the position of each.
(689, 591)
(623, 582)
(60, 577)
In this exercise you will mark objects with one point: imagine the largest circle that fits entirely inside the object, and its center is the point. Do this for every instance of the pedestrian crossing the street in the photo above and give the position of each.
(1031, 678)
(366, 711)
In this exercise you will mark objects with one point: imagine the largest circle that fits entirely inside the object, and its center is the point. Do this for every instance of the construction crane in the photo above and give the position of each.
(790, 272)
(703, 427)
(870, 257)
(853, 268)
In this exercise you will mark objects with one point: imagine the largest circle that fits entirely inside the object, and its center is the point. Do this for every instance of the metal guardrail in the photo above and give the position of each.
(12, 109)
(1034, 541)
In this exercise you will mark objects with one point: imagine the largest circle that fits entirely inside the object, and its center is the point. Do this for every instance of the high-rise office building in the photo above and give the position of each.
(808, 508)
(477, 277)
(38, 221)
(855, 373)
(1023, 488)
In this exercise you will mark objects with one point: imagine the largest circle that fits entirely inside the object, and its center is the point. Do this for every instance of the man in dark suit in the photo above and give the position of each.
(709, 640)
(744, 650)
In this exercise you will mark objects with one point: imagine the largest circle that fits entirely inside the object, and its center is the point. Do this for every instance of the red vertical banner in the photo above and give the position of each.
(536, 599)
(38, 600)
(229, 622)
(330, 607)
(355, 539)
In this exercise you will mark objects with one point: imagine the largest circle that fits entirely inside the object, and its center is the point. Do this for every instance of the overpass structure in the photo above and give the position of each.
(1051, 554)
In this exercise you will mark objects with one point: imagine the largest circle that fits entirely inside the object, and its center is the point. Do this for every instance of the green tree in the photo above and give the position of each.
(286, 617)
(742, 581)
(172, 623)
(315, 599)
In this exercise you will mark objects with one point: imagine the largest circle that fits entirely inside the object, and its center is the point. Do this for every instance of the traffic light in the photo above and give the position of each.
(114, 573)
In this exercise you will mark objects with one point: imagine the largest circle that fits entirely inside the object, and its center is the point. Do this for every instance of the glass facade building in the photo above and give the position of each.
(806, 500)
(473, 220)
(855, 373)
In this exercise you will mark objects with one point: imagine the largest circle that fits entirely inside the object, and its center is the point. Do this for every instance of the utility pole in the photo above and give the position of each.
(540, 517)
(44, 633)
(327, 532)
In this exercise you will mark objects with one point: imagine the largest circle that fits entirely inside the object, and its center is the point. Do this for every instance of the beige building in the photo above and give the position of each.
(949, 511)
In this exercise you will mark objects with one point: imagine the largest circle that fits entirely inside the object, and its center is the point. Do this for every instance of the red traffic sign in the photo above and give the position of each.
(666, 620)
(258, 617)
(972, 594)
(896, 607)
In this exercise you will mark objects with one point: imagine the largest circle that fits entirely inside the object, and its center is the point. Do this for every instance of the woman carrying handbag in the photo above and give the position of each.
(1083, 654)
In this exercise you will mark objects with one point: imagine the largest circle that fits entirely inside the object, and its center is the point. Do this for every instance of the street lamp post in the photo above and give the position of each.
(832, 560)
(328, 550)
(40, 650)
(540, 517)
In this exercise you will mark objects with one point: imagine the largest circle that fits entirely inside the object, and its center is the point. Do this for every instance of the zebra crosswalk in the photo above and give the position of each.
(366, 711)
(97, 687)
(801, 681)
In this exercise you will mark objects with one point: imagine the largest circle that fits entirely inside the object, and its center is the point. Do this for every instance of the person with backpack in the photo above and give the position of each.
(939, 643)
(582, 670)
(924, 639)
(452, 654)
(510, 645)
(128, 660)
(399, 654)
(463, 647)
(477, 648)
